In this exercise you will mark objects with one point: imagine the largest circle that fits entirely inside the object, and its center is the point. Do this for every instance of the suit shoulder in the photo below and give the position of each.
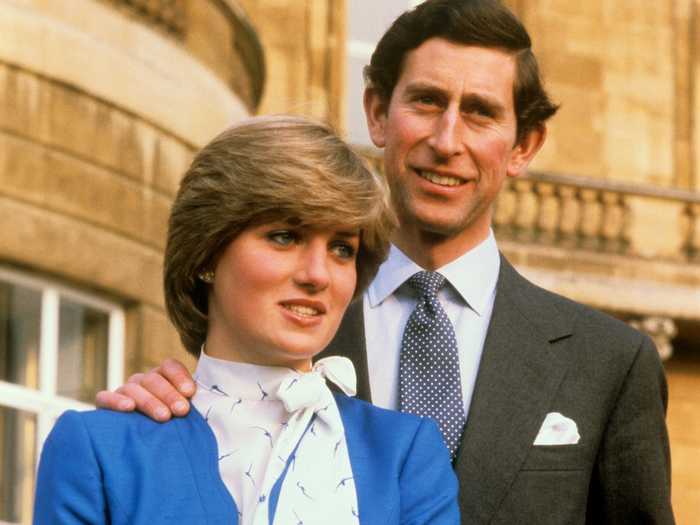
(549, 309)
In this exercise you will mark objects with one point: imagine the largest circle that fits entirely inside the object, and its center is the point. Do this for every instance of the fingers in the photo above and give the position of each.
(145, 402)
(114, 401)
(162, 394)
(159, 394)
(178, 375)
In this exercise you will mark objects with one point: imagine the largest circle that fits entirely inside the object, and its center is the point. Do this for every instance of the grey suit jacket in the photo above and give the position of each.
(544, 353)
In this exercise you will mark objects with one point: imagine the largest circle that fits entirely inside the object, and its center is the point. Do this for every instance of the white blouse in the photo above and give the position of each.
(270, 419)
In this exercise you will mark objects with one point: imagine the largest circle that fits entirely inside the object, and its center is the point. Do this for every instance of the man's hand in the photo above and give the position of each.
(159, 394)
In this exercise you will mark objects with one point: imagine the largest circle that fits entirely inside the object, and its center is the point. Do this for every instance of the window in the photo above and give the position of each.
(58, 348)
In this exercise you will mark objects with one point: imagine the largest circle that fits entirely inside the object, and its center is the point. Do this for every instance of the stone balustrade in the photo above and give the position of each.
(602, 216)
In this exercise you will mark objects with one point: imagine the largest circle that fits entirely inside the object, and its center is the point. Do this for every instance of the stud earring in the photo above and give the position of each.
(207, 277)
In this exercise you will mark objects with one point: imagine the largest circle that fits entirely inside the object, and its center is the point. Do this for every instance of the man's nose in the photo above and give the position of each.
(312, 272)
(447, 138)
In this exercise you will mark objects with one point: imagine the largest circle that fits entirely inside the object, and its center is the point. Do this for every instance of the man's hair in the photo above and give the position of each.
(262, 170)
(483, 23)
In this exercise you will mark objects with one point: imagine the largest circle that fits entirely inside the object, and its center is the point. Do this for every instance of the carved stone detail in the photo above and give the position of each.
(661, 330)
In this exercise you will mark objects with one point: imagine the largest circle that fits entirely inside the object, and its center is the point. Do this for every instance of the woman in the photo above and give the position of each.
(276, 227)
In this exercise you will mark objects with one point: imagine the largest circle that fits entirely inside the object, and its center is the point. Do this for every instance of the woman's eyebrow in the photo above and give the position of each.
(348, 234)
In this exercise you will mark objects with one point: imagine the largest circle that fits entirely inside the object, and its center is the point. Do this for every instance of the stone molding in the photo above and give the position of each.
(168, 14)
(91, 47)
(662, 330)
(173, 16)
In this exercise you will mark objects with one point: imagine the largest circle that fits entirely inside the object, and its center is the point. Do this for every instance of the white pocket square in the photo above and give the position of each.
(557, 430)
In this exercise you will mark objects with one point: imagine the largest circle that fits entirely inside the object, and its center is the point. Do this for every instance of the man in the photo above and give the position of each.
(564, 406)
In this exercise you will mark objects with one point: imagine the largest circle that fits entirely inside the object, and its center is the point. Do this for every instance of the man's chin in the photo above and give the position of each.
(441, 226)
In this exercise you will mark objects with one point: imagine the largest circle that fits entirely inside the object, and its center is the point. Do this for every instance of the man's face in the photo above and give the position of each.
(449, 134)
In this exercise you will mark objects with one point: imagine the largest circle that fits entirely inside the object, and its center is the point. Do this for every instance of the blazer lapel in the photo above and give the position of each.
(518, 375)
(201, 451)
(349, 342)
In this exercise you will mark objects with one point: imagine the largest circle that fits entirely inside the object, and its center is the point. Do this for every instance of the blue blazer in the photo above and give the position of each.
(102, 467)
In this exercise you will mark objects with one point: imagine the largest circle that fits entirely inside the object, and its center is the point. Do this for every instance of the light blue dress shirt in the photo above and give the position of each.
(468, 302)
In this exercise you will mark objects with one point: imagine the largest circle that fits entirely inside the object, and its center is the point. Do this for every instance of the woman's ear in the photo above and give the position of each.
(525, 150)
(376, 112)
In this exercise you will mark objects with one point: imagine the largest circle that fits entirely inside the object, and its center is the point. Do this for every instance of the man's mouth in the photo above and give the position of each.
(304, 311)
(440, 180)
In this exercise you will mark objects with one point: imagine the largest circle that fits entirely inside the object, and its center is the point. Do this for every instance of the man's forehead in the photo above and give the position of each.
(443, 64)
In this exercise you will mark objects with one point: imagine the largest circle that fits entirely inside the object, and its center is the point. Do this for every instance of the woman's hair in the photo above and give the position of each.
(262, 170)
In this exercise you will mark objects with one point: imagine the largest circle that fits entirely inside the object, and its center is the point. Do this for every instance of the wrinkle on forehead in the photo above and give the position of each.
(462, 70)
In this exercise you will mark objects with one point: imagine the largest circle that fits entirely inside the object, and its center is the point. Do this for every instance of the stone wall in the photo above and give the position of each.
(612, 65)
(304, 45)
(99, 118)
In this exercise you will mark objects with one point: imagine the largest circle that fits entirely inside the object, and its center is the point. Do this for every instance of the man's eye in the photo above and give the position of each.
(480, 111)
(427, 100)
(283, 237)
(344, 250)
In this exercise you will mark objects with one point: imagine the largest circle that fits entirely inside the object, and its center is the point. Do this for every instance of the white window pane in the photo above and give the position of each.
(83, 334)
(355, 118)
(368, 19)
(20, 321)
(17, 445)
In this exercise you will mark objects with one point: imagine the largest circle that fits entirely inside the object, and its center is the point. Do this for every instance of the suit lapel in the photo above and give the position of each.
(349, 342)
(518, 376)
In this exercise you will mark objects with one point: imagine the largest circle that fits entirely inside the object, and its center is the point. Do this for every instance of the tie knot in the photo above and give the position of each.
(427, 283)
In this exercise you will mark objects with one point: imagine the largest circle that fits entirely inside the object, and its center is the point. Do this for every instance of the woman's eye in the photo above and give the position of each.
(283, 238)
(344, 251)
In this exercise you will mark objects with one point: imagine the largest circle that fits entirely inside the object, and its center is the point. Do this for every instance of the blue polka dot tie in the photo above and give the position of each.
(429, 378)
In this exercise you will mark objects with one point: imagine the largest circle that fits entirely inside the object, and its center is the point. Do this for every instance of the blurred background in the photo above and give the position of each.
(103, 102)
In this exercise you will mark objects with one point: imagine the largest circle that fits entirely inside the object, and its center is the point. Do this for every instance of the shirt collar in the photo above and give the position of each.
(240, 380)
(473, 275)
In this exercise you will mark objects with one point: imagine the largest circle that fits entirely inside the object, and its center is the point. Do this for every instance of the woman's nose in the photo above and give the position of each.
(312, 272)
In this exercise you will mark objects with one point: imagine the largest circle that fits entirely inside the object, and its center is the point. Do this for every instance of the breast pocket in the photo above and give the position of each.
(550, 488)
(555, 457)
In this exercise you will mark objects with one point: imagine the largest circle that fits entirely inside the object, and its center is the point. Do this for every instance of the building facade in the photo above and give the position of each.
(104, 102)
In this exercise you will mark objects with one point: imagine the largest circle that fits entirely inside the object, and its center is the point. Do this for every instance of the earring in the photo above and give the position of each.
(207, 277)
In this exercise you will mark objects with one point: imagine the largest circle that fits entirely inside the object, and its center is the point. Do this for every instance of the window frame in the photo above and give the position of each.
(44, 402)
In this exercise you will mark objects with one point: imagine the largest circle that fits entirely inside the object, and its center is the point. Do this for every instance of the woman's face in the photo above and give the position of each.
(279, 293)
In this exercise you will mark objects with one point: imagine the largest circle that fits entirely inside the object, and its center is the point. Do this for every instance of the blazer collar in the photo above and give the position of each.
(520, 371)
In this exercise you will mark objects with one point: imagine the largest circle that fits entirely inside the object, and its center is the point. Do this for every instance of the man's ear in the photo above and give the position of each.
(376, 109)
(525, 150)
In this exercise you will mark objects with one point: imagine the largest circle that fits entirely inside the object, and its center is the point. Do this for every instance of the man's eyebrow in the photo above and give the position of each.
(476, 100)
(423, 87)
(469, 101)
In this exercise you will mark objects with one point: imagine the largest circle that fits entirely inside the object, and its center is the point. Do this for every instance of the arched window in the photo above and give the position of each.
(58, 347)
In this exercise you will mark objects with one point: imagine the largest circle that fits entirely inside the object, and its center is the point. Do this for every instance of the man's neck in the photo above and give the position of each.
(432, 251)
